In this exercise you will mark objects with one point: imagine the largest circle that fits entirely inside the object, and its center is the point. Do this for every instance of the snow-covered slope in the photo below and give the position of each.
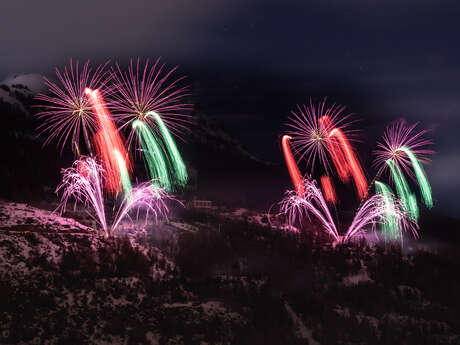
(23, 217)
(230, 281)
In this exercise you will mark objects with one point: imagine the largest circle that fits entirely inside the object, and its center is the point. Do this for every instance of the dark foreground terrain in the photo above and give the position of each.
(216, 278)
(221, 276)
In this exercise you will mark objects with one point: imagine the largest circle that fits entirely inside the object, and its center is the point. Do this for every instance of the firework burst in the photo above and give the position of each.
(321, 133)
(397, 136)
(149, 88)
(404, 151)
(147, 196)
(296, 207)
(378, 210)
(310, 127)
(84, 182)
(66, 112)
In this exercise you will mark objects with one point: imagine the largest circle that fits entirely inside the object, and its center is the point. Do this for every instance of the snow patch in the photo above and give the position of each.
(301, 329)
(23, 217)
(356, 279)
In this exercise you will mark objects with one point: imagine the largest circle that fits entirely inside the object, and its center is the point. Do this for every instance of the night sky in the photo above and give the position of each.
(253, 61)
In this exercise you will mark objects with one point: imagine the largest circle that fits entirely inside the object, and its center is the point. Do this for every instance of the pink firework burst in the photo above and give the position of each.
(83, 182)
(66, 111)
(397, 135)
(374, 212)
(295, 208)
(148, 88)
(310, 127)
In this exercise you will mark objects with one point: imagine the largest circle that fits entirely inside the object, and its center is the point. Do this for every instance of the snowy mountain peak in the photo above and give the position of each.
(32, 81)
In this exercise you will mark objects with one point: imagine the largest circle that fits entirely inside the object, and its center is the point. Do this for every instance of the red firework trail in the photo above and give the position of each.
(328, 189)
(107, 141)
(333, 146)
(294, 171)
(352, 162)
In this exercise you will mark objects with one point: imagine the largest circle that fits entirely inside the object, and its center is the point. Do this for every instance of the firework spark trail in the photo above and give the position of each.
(292, 207)
(354, 166)
(372, 213)
(366, 216)
(375, 211)
(422, 180)
(153, 154)
(407, 198)
(312, 202)
(178, 167)
(294, 171)
(328, 189)
(334, 148)
(124, 173)
(108, 140)
(83, 181)
(340, 160)
(389, 224)
(147, 196)
(316, 204)
(67, 112)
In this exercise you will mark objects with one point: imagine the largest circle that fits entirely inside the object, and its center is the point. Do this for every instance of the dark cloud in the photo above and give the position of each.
(37, 34)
